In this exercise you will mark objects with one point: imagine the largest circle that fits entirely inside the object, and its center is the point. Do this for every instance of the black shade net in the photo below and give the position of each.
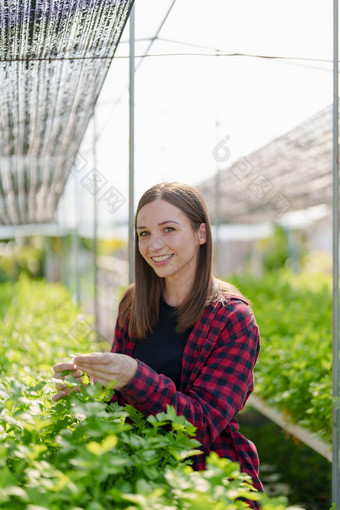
(54, 57)
(291, 173)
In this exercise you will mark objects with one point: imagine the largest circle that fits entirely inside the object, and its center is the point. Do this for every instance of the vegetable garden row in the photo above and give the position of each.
(82, 453)
(294, 371)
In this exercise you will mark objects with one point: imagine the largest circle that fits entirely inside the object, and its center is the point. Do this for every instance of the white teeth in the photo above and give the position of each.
(160, 259)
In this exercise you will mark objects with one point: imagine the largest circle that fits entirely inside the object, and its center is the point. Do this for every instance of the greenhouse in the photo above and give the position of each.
(169, 255)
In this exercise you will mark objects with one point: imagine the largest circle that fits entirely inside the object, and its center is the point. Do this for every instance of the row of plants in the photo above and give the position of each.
(294, 371)
(81, 452)
(32, 254)
(25, 255)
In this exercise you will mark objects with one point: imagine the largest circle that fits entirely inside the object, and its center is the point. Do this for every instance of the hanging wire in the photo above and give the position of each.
(152, 39)
(178, 54)
(156, 34)
(280, 59)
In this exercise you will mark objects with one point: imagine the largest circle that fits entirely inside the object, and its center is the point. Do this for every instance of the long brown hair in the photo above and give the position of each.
(141, 300)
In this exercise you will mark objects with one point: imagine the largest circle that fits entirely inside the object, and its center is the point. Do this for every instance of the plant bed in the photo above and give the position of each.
(81, 452)
(294, 371)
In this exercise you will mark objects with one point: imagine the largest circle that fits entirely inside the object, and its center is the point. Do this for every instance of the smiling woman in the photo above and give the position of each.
(182, 338)
(170, 246)
(172, 223)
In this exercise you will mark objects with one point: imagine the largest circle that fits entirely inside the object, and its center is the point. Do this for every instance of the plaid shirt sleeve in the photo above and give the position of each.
(217, 372)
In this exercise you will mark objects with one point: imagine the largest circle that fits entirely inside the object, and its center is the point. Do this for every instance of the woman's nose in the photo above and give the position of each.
(156, 242)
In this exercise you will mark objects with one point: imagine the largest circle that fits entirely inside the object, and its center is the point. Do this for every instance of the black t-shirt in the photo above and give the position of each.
(163, 349)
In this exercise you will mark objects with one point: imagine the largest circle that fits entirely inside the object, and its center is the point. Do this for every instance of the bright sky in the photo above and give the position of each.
(179, 99)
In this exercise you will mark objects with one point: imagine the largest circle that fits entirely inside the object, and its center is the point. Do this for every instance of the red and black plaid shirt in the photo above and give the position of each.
(216, 380)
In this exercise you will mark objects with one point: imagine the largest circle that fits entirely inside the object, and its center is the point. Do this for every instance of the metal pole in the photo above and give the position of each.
(292, 249)
(131, 144)
(217, 221)
(95, 229)
(60, 242)
(217, 177)
(336, 421)
(75, 244)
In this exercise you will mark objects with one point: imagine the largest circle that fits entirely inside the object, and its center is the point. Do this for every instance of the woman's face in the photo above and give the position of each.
(167, 241)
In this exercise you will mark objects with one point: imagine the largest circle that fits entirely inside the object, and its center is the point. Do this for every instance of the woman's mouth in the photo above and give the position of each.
(161, 259)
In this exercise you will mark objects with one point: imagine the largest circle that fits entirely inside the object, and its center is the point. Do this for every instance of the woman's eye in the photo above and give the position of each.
(169, 229)
(143, 234)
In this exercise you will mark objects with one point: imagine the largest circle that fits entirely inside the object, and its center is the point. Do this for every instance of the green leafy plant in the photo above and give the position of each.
(84, 452)
(294, 314)
(24, 257)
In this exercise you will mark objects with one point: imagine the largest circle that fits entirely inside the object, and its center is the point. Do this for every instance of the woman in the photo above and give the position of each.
(182, 337)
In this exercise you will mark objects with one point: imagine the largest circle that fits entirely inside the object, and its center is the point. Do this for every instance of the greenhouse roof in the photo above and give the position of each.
(293, 172)
(54, 57)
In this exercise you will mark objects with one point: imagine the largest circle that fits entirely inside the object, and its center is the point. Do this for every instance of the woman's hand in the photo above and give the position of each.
(63, 390)
(105, 367)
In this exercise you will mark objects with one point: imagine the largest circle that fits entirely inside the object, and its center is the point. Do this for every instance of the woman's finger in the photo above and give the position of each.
(107, 367)
(60, 367)
(98, 368)
(60, 386)
(61, 394)
(64, 391)
(95, 358)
